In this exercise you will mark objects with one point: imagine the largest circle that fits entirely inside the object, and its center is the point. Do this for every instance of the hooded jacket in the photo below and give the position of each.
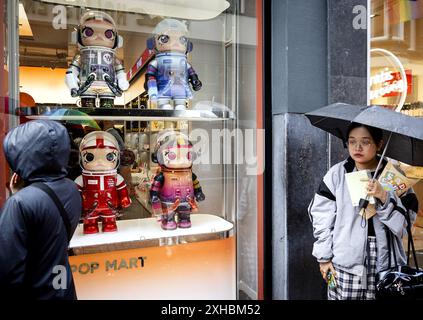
(338, 228)
(33, 238)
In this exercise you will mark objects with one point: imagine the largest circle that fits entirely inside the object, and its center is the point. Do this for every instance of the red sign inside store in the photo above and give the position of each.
(141, 62)
(396, 76)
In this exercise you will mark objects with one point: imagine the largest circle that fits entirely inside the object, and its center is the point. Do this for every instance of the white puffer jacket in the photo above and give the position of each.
(337, 226)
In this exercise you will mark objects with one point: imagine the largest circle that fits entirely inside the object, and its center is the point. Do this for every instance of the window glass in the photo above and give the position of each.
(396, 66)
(61, 68)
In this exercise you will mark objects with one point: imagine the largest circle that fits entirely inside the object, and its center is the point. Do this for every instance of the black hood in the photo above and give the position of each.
(38, 150)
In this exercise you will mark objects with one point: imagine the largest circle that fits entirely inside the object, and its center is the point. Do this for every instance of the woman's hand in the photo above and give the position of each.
(325, 267)
(375, 189)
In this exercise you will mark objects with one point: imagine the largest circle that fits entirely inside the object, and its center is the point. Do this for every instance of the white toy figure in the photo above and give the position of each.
(95, 74)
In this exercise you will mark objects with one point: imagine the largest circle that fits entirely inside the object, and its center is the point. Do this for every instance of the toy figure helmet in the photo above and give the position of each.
(168, 139)
(99, 140)
(170, 24)
(100, 16)
(165, 26)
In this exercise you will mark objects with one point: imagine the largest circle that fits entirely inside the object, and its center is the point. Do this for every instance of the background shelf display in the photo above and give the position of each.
(141, 138)
(147, 123)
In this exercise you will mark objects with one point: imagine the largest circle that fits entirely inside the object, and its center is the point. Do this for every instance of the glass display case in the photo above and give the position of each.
(217, 255)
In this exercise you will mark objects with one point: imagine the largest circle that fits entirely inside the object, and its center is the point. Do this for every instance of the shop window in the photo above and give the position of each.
(215, 254)
(396, 73)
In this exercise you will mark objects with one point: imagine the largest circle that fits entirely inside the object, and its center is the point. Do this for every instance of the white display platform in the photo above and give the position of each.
(149, 229)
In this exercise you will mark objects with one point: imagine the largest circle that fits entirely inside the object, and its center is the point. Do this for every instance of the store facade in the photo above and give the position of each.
(358, 52)
(319, 56)
(262, 64)
(220, 255)
(395, 63)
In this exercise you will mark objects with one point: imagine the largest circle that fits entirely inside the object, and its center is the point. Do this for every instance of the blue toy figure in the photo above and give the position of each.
(169, 74)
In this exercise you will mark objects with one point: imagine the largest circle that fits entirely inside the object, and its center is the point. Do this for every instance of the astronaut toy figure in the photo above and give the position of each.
(103, 190)
(95, 74)
(168, 76)
(175, 189)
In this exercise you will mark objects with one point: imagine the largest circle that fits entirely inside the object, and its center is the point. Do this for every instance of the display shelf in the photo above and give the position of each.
(127, 114)
(146, 232)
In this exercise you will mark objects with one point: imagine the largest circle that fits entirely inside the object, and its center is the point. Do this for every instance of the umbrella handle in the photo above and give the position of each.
(383, 155)
(364, 202)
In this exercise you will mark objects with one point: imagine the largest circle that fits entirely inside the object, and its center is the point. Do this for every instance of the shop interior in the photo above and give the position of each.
(46, 52)
(221, 52)
(396, 26)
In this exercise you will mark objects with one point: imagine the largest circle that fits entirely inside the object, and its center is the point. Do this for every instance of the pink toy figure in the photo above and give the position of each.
(95, 73)
(175, 189)
(103, 190)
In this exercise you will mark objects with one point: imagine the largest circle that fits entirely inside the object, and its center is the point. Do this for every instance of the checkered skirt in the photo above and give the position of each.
(348, 286)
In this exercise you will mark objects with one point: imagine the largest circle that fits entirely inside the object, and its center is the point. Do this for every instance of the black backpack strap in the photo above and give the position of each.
(410, 241)
(58, 204)
(391, 249)
(391, 245)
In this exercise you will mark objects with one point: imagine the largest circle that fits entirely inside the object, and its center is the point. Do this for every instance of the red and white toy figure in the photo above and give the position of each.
(103, 190)
(175, 189)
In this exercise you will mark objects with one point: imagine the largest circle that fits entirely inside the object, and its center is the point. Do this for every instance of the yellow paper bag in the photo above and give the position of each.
(393, 178)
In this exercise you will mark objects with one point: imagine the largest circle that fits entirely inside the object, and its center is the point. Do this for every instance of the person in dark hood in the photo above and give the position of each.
(33, 236)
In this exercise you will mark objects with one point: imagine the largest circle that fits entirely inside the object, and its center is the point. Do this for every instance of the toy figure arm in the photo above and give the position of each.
(156, 187)
(87, 206)
(124, 199)
(150, 80)
(121, 75)
(72, 75)
(198, 192)
(79, 182)
(193, 78)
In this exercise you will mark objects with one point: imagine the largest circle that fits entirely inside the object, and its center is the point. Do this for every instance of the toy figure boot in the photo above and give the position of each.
(180, 104)
(109, 224)
(164, 104)
(184, 220)
(90, 226)
(168, 221)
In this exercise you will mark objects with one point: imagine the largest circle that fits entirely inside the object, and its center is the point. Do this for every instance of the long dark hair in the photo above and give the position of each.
(376, 133)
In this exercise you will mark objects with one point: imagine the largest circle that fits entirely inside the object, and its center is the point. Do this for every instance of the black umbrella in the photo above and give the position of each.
(335, 118)
(403, 134)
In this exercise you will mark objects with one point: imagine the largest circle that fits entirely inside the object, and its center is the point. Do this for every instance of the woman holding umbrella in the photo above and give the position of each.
(351, 253)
